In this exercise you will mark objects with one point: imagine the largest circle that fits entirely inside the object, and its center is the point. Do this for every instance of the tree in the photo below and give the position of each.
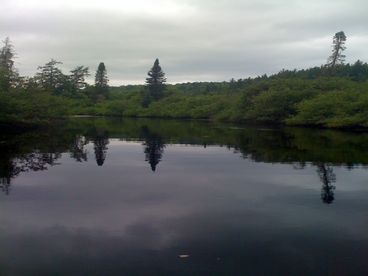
(7, 72)
(51, 78)
(338, 46)
(101, 82)
(359, 71)
(155, 81)
(77, 78)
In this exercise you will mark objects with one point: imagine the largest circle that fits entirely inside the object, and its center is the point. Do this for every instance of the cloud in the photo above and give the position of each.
(195, 40)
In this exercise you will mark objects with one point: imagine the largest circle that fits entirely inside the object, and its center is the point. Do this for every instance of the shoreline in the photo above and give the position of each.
(36, 124)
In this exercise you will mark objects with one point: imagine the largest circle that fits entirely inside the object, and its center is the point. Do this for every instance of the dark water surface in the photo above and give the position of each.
(132, 197)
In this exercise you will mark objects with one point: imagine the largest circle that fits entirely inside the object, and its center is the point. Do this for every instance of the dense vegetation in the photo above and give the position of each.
(332, 95)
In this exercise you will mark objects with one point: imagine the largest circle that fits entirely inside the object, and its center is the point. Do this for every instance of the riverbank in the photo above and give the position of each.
(328, 102)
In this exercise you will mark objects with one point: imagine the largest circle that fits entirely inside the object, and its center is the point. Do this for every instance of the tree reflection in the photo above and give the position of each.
(78, 152)
(38, 149)
(327, 177)
(5, 185)
(35, 161)
(153, 147)
(100, 141)
(7, 172)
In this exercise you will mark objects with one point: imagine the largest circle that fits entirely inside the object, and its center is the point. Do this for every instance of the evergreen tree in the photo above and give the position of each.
(338, 46)
(77, 78)
(359, 71)
(101, 82)
(51, 78)
(155, 81)
(7, 72)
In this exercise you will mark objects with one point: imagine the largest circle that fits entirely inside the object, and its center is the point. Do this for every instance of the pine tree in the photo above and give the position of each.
(155, 81)
(7, 72)
(338, 46)
(77, 78)
(101, 82)
(51, 78)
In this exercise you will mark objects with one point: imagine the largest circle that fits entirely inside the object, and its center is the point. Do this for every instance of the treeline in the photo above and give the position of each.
(331, 95)
(324, 101)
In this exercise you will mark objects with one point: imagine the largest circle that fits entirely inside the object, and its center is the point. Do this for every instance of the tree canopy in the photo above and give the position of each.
(101, 82)
(338, 46)
(7, 71)
(77, 77)
(156, 81)
(317, 96)
(50, 77)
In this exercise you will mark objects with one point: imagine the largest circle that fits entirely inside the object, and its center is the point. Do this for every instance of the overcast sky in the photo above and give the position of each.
(195, 40)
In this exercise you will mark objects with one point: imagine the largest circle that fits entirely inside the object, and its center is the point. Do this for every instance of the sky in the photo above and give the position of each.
(195, 40)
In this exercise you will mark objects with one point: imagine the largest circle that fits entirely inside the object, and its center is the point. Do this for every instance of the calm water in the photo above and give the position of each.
(152, 197)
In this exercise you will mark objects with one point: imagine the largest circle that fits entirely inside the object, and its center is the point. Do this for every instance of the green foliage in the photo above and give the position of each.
(334, 109)
(356, 72)
(77, 78)
(338, 47)
(101, 83)
(316, 96)
(327, 102)
(155, 83)
(36, 107)
(7, 71)
(50, 77)
(276, 106)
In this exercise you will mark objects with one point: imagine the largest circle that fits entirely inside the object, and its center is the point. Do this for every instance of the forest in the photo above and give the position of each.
(332, 95)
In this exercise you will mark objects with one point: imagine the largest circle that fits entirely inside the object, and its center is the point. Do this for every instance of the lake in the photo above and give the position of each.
(95, 196)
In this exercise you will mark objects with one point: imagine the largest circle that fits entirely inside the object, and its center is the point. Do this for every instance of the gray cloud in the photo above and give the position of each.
(195, 40)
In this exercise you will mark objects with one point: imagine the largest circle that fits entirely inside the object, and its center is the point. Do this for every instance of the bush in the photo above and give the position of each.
(334, 109)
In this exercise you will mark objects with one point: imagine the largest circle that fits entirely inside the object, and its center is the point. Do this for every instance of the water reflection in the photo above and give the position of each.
(327, 177)
(38, 150)
(7, 172)
(100, 141)
(153, 147)
(5, 184)
(12, 163)
(231, 198)
(78, 150)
